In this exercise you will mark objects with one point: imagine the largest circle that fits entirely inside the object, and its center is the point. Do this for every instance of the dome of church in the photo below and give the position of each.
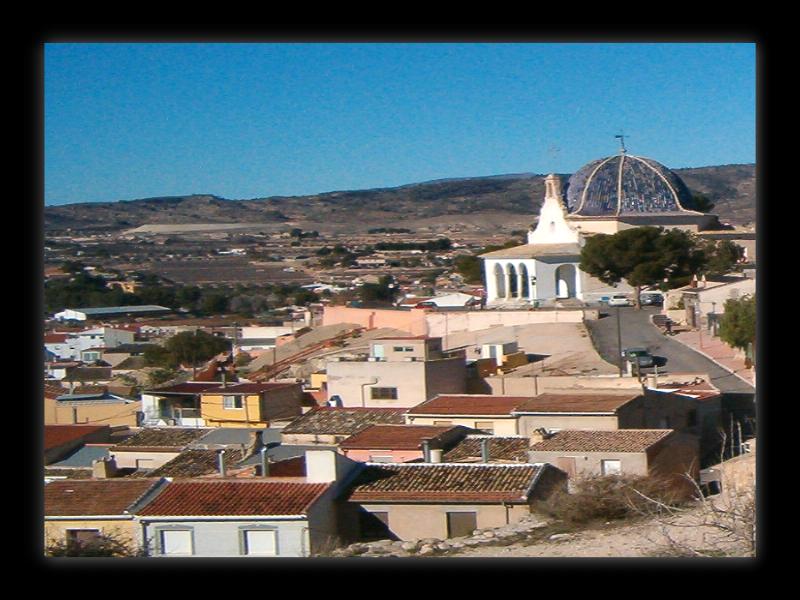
(626, 185)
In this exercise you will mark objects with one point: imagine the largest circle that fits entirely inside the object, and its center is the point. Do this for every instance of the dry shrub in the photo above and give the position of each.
(107, 545)
(610, 498)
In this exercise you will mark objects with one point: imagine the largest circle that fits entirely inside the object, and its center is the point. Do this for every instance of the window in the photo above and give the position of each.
(374, 525)
(461, 523)
(260, 542)
(691, 418)
(91, 356)
(232, 402)
(82, 536)
(384, 393)
(403, 349)
(487, 426)
(611, 467)
(442, 423)
(176, 542)
(380, 458)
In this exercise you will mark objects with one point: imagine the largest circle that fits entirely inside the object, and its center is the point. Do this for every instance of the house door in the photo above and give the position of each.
(377, 351)
(461, 523)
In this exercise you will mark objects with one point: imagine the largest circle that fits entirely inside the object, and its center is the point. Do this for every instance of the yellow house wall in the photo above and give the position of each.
(127, 529)
(215, 414)
(502, 426)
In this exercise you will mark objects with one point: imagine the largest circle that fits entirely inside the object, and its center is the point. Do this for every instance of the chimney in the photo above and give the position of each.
(256, 441)
(221, 462)
(485, 450)
(264, 462)
(321, 466)
(436, 455)
(426, 451)
(539, 435)
(104, 468)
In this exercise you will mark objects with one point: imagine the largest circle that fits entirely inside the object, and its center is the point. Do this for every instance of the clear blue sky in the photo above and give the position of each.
(125, 121)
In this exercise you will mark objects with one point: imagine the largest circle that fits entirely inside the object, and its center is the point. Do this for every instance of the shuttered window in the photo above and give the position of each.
(260, 542)
(176, 542)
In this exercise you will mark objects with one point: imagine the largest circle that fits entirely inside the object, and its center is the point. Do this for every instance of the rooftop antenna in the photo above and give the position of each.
(621, 137)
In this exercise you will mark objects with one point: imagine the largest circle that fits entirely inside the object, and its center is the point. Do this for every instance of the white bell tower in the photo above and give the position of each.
(553, 227)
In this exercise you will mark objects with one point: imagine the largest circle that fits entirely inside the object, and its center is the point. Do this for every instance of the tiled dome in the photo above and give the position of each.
(625, 185)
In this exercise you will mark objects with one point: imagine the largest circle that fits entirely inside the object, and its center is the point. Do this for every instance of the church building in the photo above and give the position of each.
(605, 196)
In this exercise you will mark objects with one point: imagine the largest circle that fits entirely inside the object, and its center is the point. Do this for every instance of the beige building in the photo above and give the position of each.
(490, 414)
(661, 452)
(79, 511)
(413, 500)
(398, 372)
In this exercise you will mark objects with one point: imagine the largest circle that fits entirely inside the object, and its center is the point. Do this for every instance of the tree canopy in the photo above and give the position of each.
(737, 326)
(643, 256)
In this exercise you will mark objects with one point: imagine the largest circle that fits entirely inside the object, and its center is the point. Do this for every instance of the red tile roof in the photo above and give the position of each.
(53, 390)
(188, 387)
(452, 483)
(57, 435)
(234, 497)
(247, 388)
(469, 404)
(94, 497)
(576, 403)
(393, 437)
(620, 440)
(55, 338)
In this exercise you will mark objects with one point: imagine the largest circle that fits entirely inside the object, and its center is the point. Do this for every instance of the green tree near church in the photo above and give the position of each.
(644, 256)
(737, 326)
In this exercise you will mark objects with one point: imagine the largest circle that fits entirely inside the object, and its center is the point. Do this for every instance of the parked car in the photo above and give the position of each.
(651, 298)
(620, 300)
(640, 355)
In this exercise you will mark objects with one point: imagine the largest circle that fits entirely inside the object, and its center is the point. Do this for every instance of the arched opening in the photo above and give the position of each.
(565, 281)
(500, 281)
(513, 292)
(526, 282)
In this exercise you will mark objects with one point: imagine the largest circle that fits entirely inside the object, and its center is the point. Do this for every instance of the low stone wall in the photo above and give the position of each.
(500, 536)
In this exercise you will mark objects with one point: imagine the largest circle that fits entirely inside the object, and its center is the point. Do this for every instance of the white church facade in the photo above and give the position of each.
(605, 196)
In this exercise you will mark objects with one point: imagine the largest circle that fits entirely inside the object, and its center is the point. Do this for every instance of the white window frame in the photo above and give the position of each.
(245, 529)
(604, 470)
(160, 531)
(232, 398)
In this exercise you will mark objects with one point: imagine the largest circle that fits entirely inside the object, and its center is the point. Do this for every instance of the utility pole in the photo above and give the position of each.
(619, 342)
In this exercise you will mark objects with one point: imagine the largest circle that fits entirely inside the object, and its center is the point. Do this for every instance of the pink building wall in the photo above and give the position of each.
(397, 455)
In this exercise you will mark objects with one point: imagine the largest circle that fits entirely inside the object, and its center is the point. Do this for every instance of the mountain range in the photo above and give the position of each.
(730, 187)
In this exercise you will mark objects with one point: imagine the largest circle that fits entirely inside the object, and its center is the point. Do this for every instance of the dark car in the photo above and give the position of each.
(651, 299)
(640, 355)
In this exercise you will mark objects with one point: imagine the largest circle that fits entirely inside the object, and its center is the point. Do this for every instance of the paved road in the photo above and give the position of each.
(637, 330)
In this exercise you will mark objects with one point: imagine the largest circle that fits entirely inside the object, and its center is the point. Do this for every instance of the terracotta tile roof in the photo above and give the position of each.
(415, 482)
(620, 440)
(89, 374)
(343, 421)
(53, 390)
(576, 403)
(289, 467)
(247, 388)
(94, 497)
(234, 497)
(394, 437)
(160, 438)
(57, 435)
(469, 404)
(75, 473)
(510, 449)
(55, 338)
(196, 463)
(188, 387)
